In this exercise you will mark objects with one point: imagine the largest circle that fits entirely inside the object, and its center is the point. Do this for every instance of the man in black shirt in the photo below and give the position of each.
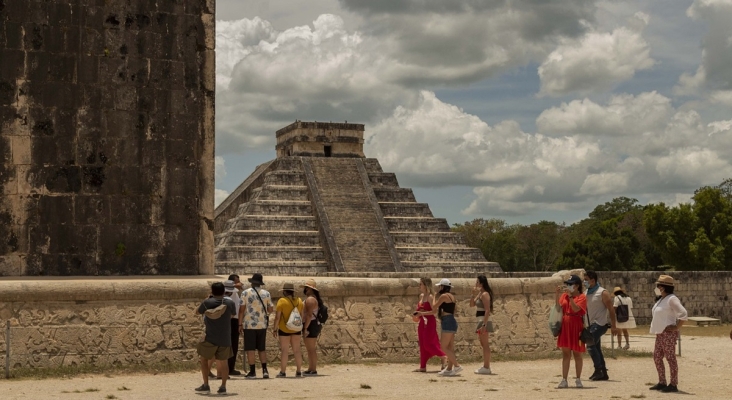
(217, 311)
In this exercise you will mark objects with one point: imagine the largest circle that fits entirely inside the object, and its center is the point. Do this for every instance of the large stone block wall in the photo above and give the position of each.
(106, 137)
(703, 293)
(123, 321)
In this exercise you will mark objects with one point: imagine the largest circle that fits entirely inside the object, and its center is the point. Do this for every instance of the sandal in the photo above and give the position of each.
(420, 370)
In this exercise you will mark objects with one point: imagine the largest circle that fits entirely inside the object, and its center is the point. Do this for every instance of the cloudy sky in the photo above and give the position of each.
(516, 109)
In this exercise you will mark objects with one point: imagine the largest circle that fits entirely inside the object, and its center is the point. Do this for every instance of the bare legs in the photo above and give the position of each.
(205, 368)
(294, 342)
(310, 346)
(567, 354)
(447, 341)
(485, 342)
(624, 332)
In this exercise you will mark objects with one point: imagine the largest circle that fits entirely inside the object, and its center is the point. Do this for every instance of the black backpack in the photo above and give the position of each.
(621, 312)
(322, 314)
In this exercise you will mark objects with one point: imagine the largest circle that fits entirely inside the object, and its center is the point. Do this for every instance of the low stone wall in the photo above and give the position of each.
(125, 321)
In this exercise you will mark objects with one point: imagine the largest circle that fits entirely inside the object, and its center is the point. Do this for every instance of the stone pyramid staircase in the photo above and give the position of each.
(312, 215)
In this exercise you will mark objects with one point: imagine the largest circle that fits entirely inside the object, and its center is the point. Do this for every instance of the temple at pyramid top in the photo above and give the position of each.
(322, 207)
(320, 139)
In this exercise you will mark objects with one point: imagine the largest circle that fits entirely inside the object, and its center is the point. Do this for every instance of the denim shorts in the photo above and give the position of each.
(449, 324)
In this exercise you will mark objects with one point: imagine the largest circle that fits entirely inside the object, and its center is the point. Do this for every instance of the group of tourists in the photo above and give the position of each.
(585, 312)
(588, 311)
(228, 314)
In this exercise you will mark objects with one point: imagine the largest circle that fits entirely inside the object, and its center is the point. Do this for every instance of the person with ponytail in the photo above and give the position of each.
(445, 304)
(312, 325)
(482, 300)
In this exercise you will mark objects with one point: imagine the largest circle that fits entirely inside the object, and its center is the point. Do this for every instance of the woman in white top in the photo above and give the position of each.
(622, 299)
(668, 317)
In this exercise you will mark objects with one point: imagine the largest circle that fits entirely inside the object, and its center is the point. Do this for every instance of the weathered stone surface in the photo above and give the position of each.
(102, 104)
(137, 321)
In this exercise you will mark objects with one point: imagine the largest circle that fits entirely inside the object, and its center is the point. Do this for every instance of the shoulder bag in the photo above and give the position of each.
(264, 309)
(586, 336)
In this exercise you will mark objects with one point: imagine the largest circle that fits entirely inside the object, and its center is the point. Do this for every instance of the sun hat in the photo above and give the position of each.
(288, 286)
(617, 289)
(256, 278)
(444, 282)
(229, 286)
(665, 280)
(310, 283)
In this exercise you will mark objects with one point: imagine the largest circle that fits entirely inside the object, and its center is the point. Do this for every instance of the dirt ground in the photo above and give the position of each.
(704, 373)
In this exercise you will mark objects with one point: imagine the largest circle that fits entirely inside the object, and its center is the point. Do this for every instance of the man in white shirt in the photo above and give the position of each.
(254, 321)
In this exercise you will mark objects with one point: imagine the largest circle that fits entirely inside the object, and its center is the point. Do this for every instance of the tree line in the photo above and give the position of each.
(618, 235)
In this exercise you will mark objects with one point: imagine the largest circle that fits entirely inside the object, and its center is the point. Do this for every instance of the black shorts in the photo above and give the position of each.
(314, 330)
(255, 339)
(280, 332)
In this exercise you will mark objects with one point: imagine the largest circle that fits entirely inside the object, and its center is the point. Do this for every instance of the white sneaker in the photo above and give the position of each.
(483, 371)
(578, 383)
(443, 371)
(457, 370)
(563, 384)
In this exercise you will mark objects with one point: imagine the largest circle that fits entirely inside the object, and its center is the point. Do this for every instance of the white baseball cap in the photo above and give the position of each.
(444, 282)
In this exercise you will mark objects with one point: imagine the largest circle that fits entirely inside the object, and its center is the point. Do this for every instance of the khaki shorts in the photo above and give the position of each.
(210, 351)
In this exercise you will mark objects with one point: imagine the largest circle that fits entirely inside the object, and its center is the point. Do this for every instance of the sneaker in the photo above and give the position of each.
(251, 375)
(234, 372)
(670, 389)
(265, 374)
(222, 390)
(483, 371)
(578, 383)
(457, 370)
(313, 373)
(298, 374)
(203, 388)
(442, 371)
(659, 386)
(563, 384)
(594, 375)
(626, 347)
(281, 375)
(210, 375)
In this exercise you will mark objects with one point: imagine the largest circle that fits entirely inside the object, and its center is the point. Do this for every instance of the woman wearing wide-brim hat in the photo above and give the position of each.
(311, 325)
(288, 337)
(668, 317)
(622, 299)
(445, 305)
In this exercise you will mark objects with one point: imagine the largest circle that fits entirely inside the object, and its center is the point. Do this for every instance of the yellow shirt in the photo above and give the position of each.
(285, 305)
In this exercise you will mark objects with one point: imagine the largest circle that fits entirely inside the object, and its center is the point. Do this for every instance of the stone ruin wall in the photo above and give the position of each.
(129, 321)
(106, 137)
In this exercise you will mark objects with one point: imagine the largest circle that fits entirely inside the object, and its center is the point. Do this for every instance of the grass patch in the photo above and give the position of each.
(689, 329)
(123, 388)
(111, 396)
(88, 390)
(433, 380)
(491, 390)
(106, 370)
(365, 386)
(637, 396)
(630, 354)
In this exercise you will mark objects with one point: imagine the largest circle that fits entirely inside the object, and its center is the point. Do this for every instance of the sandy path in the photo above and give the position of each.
(704, 372)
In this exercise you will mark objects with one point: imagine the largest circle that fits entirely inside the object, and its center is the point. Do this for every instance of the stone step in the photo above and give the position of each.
(268, 238)
(395, 194)
(383, 179)
(474, 267)
(280, 207)
(440, 254)
(411, 224)
(416, 239)
(282, 192)
(392, 209)
(372, 165)
(269, 253)
(290, 163)
(273, 222)
(284, 177)
(283, 268)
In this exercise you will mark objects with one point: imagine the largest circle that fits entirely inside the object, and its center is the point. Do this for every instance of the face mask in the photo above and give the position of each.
(657, 291)
(587, 284)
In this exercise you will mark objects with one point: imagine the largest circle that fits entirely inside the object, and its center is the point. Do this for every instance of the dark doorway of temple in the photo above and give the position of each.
(326, 151)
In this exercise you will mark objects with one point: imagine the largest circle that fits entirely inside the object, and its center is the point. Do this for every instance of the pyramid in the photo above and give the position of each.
(322, 207)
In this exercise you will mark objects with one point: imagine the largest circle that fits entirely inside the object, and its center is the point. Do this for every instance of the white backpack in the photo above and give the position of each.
(294, 323)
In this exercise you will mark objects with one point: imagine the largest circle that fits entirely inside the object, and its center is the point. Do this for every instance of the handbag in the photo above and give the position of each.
(555, 320)
(586, 336)
(488, 326)
(622, 313)
(294, 323)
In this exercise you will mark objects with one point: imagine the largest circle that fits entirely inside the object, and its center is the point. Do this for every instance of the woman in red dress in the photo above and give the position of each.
(429, 343)
(574, 307)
